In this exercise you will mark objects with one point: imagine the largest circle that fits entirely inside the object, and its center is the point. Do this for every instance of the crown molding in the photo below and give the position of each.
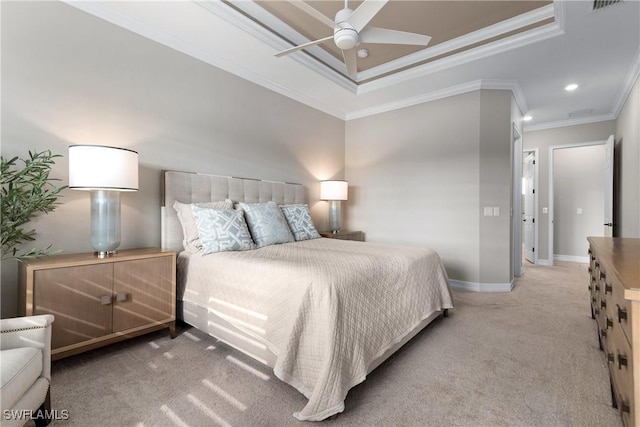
(629, 81)
(480, 52)
(326, 64)
(461, 42)
(511, 85)
(570, 122)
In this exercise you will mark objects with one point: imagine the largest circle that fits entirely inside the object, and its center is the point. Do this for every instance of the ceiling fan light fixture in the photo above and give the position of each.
(346, 38)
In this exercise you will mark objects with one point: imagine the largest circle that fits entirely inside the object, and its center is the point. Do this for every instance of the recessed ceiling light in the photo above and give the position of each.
(527, 118)
(363, 53)
(571, 87)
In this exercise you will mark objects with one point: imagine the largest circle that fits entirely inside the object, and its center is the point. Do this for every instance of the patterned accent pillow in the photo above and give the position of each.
(300, 221)
(222, 230)
(191, 240)
(266, 223)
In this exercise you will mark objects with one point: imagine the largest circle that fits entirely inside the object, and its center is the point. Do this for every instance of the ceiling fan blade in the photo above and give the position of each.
(351, 61)
(313, 12)
(365, 13)
(384, 36)
(302, 46)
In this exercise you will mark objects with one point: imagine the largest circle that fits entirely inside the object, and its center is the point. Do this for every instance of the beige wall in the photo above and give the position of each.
(627, 196)
(543, 140)
(70, 78)
(421, 176)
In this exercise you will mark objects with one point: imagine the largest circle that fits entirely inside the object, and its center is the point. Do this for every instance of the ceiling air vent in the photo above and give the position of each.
(600, 4)
(581, 113)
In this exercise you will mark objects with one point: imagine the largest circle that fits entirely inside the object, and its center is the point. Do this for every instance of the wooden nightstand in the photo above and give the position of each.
(344, 235)
(99, 301)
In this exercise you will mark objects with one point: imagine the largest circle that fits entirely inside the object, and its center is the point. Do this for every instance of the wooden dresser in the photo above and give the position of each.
(614, 286)
(98, 301)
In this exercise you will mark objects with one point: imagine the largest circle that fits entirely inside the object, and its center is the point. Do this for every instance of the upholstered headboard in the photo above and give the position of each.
(187, 187)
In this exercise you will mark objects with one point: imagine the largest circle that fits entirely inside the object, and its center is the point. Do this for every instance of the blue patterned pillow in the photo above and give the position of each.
(266, 223)
(222, 230)
(300, 221)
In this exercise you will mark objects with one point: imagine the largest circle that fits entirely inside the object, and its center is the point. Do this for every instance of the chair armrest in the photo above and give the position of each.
(30, 331)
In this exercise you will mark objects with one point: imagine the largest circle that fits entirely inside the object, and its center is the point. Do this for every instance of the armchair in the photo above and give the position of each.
(25, 370)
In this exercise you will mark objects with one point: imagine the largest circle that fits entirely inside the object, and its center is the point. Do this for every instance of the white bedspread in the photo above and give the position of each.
(325, 307)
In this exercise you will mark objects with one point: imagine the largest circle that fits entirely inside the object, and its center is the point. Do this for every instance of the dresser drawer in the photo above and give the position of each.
(621, 311)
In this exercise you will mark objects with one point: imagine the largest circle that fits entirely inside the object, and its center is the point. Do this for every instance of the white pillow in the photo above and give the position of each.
(266, 223)
(191, 240)
(222, 230)
(300, 222)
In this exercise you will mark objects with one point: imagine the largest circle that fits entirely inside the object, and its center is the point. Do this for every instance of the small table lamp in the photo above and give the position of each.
(334, 192)
(105, 171)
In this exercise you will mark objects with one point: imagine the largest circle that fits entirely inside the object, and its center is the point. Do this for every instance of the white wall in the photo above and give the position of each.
(421, 176)
(69, 78)
(578, 183)
(627, 196)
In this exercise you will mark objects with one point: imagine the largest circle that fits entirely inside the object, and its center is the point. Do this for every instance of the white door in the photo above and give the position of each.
(608, 187)
(529, 213)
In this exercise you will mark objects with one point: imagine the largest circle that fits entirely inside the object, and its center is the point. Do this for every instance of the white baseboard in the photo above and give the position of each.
(481, 287)
(571, 258)
(543, 262)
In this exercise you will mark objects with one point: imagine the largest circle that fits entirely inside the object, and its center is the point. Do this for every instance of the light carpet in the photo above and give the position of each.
(525, 358)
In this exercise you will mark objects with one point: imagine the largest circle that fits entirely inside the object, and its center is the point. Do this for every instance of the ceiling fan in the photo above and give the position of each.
(350, 29)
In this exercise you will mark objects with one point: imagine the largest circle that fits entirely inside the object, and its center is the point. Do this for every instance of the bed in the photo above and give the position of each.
(322, 313)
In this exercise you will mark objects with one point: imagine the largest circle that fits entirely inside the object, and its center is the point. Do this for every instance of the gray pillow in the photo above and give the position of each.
(191, 240)
(222, 230)
(266, 223)
(300, 222)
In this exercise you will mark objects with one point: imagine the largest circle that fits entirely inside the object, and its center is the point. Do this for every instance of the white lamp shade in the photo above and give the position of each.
(334, 190)
(94, 167)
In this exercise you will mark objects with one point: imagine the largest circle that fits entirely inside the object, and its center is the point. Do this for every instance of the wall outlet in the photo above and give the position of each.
(579, 211)
(545, 210)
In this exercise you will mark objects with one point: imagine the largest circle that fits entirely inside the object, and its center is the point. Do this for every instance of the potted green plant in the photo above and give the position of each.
(27, 191)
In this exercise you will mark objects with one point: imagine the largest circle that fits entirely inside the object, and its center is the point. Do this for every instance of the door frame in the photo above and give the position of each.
(536, 186)
(552, 149)
(516, 204)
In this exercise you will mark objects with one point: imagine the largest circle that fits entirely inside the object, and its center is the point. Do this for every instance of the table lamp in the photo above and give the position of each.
(105, 172)
(334, 191)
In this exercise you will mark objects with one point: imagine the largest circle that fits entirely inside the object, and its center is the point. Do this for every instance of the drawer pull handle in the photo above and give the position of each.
(607, 289)
(603, 304)
(624, 406)
(593, 300)
(597, 264)
(589, 251)
(121, 296)
(589, 287)
(603, 332)
(622, 361)
(590, 270)
(105, 300)
(611, 357)
(608, 323)
(596, 311)
(597, 288)
(622, 314)
(603, 275)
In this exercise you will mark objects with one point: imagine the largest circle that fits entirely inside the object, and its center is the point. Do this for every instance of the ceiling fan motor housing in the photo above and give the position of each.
(344, 35)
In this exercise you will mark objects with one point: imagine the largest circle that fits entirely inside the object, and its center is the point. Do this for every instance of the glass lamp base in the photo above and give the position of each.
(105, 221)
(334, 216)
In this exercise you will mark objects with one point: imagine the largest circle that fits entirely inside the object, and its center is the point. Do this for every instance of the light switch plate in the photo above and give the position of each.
(488, 211)
(579, 211)
(496, 211)
(545, 210)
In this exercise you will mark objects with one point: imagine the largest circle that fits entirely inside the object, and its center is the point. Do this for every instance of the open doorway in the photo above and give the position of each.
(580, 194)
